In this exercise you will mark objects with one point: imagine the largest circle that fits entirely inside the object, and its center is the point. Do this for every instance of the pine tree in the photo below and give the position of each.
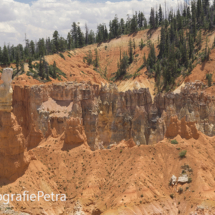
(160, 15)
(86, 34)
(209, 78)
(191, 46)
(156, 20)
(17, 60)
(5, 56)
(141, 44)
(56, 41)
(130, 51)
(40, 72)
(162, 43)
(22, 67)
(30, 63)
(0, 55)
(74, 35)
(152, 19)
(151, 57)
(199, 39)
(54, 70)
(134, 45)
(133, 24)
(69, 41)
(43, 69)
(122, 65)
(80, 38)
(122, 26)
(96, 61)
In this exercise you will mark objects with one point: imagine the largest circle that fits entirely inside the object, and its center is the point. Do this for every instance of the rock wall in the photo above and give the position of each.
(108, 116)
(13, 150)
(13, 155)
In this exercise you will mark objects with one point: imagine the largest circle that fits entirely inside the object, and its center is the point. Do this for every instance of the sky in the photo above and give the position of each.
(40, 18)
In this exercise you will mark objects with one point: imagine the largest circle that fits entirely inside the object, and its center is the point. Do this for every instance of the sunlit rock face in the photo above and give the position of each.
(107, 115)
(13, 155)
(6, 91)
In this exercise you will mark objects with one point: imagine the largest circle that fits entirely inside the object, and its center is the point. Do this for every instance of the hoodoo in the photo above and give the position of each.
(13, 160)
(6, 91)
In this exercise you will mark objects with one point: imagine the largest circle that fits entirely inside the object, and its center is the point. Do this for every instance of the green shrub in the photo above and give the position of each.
(88, 58)
(180, 190)
(136, 55)
(174, 142)
(171, 195)
(209, 78)
(189, 180)
(62, 55)
(127, 76)
(182, 154)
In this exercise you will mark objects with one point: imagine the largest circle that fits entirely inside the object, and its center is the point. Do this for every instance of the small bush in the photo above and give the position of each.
(189, 180)
(136, 55)
(174, 142)
(105, 47)
(180, 190)
(209, 78)
(62, 55)
(182, 154)
(171, 195)
(127, 76)
(136, 74)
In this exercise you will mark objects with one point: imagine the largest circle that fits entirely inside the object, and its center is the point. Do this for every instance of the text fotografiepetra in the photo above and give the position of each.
(25, 196)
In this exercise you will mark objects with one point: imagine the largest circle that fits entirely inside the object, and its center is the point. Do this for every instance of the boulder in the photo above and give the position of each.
(173, 180)
(183, 179)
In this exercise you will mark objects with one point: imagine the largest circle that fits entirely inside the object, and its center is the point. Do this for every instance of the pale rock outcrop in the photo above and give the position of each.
(77, 209)
(183, 179)
(136, 85)
(127, 144)
(173, 180)
(6, 90)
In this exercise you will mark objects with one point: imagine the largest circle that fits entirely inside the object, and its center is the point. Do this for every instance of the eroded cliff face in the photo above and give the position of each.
(108, 115)
(68, 119)
(13, 155)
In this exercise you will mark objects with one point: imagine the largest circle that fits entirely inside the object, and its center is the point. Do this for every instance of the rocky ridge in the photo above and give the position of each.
(108, 115)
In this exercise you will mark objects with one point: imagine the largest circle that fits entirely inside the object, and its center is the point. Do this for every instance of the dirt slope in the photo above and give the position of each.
(121, 180)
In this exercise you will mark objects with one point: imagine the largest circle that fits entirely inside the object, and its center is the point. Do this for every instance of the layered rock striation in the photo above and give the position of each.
(109, 116)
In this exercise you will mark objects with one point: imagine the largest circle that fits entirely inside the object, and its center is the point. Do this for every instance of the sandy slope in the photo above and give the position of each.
(120, 180)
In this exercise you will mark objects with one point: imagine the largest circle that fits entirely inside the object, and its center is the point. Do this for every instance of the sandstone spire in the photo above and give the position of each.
(6, 90)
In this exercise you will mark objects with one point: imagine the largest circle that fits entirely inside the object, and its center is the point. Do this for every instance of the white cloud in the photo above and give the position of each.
(42, 17)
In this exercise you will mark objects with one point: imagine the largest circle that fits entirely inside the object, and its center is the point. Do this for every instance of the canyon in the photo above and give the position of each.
(107, 115)
(109, 151)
